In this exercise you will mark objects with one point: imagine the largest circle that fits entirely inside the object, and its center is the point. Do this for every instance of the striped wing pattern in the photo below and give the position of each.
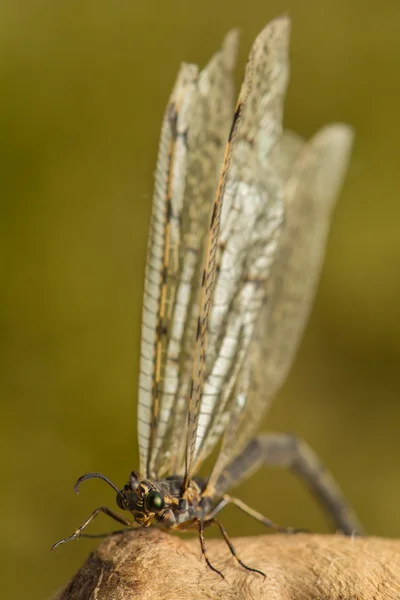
(251, 222)
(161, 267)
(229, 303)
(236, 244)
(314, 174)
(195, 128)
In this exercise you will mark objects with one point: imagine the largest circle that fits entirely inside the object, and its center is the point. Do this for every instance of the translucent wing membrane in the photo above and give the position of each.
(238, 259)
(194, 132)
(161, 266)
(314, 173)
(237, 238)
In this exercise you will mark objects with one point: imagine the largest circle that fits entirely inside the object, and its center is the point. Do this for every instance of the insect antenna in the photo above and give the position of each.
(97, 476)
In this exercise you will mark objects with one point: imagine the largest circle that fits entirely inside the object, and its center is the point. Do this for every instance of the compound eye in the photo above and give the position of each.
(120, 502)
(154, 501)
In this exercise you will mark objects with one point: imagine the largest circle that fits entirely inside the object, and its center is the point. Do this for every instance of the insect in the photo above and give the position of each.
(240, 218)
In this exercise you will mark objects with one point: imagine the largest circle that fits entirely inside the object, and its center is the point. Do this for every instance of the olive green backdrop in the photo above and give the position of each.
(83, 88)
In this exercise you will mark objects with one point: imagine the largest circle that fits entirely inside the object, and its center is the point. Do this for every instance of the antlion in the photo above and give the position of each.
(240, 219)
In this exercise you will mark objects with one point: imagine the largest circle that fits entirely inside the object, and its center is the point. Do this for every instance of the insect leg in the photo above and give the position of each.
(78, 531)
(287, 451)
(232, 547)
(200, 524)
(250, 511)
(95, 536)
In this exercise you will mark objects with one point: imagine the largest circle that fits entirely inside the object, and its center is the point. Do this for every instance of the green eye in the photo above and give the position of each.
(154, 501)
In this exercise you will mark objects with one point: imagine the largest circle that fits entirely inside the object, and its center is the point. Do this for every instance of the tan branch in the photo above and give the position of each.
(150, 564)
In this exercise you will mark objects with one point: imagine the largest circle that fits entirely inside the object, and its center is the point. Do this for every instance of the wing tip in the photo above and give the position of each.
(230, 47)
(336, 139)
(339, 133)
(278, 28)
(333, 146)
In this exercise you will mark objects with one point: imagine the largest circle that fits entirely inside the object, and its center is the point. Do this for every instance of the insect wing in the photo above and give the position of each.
(315, 179)
(195, 126)
(164, 235)
(251, 191)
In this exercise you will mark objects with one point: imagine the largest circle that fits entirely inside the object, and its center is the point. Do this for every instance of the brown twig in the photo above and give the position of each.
(150, 564)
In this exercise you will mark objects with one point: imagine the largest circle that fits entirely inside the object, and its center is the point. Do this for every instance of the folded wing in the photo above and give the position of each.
(194, 132)
(314, 174)
(242, 241)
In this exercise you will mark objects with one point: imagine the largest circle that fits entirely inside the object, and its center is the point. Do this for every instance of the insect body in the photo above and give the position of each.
(241, 212)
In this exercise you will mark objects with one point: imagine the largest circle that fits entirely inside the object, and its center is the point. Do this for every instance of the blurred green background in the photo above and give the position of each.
(83, 89)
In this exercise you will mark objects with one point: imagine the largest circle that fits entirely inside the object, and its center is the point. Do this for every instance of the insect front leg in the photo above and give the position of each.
(290, 452)
(200, 525)
(107, 511)
(232, 547)
(208, 522)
